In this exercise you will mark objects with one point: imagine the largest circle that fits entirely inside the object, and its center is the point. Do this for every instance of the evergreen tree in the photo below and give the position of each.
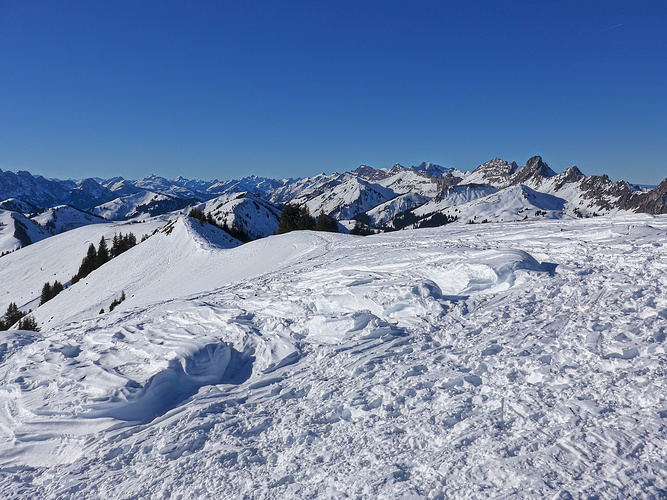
(56, 288)
(295, 218)
(28, 323)
(46, 293)
(13, 314)
(326, 223)
(114, 245)
(360, 230)
(198, 214)
(102, 253)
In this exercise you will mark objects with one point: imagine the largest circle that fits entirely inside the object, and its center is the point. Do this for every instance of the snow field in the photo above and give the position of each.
(495, 360)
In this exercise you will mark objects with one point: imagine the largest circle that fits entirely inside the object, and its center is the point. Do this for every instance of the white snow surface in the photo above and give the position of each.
(9, 230)
(247, 211)
(487, 203)
(468, 361)
(24, 272)
(126, 206)
(65, 218)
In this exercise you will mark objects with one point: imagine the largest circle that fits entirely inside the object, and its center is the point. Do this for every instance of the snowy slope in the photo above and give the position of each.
(256, 216)
(16, 205)
(16, 231)
(386, 211)
(175, 261)
(24, 272)
(133, 205)
(509, 204)
(481, 361)
(345, 199)
(65, 218)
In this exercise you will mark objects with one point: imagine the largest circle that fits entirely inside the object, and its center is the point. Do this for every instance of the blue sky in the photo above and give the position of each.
(285, 89)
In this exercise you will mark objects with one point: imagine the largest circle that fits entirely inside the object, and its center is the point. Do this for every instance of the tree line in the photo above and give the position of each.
(14, 314)
(234, 231)
(298, 218)
(95, 257)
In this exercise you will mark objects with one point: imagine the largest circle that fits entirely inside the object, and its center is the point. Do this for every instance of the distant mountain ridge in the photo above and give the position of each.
(385, 199)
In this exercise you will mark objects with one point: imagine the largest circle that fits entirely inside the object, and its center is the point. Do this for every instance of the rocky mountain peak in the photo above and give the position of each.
(535, 169)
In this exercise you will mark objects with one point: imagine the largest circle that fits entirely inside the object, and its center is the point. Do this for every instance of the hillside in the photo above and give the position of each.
(23, 273)
(468, 361)
(65, 218)
(17, 231)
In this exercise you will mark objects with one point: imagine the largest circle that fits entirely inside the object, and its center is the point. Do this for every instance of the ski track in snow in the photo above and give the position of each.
(486, 361)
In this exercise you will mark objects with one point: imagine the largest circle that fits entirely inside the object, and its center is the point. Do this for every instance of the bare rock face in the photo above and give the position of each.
(570, 175)
(651, 202)
(535, 170)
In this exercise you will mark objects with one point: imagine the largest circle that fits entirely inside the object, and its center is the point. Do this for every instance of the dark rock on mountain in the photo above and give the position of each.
(535, 170)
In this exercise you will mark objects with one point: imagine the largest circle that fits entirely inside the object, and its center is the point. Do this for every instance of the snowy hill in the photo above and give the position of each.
(469, 361)
(24, 272)
(142, 205)
(15, 205)
(17, 231)
(342, 197)
(65, 218)
(385, 212)
(472, 203)
(257, 217)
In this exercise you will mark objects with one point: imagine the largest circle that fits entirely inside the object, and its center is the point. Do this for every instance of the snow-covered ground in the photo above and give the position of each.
(505, 360)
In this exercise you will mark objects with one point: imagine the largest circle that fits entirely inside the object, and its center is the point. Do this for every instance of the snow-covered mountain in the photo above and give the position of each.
(140, 205)
(65, 218)
(522, 359)
(36, 190)
(17, 230)
(397, 197)
(246, 211)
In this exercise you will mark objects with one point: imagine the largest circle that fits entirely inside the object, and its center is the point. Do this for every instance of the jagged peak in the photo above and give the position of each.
(574, 170)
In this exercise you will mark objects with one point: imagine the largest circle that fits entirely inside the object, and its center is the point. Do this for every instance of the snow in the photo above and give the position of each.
(509, 204)
(384, 212)
(520, 359)
(15, 228)
(126, 206)
(247, 211)
(24, 272)
(65, 218)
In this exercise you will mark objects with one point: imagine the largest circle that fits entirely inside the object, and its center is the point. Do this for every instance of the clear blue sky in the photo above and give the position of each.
(224, 89)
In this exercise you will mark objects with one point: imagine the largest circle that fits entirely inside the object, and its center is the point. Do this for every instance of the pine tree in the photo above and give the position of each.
(294, 218)
(13, 314)
(28, 323)
(326, 223)
(46, 294)
(114, 245)
(102, 253)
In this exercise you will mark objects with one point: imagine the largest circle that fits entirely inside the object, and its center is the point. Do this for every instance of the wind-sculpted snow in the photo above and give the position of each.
(479, 361)
(211, 365)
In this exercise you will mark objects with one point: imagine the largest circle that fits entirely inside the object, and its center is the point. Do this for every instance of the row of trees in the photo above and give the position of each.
(14, 314)
(49, 291)
(298, 218)
(95, 257)
(234, 231)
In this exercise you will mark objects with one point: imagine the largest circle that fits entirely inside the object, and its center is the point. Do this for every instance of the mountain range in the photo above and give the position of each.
(383, 199)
